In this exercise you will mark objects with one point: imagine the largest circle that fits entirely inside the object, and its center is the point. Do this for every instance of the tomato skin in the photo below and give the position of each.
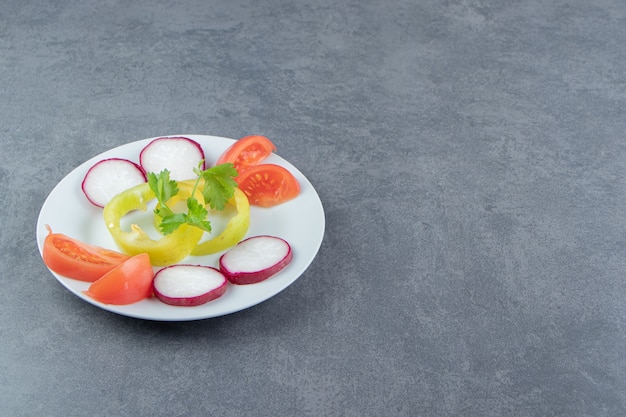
(268, 185)
(78, 260)
(128, 283)
(247, 151)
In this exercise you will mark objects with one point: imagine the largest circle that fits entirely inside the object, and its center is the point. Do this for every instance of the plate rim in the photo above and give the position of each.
(71, 284)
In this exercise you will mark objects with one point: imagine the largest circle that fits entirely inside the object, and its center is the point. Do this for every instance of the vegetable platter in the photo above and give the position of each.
(300, 221)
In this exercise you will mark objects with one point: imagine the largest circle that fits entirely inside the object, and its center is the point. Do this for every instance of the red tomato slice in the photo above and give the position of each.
(268, 185)
(128, 283)
(78, 260)
(247, 151)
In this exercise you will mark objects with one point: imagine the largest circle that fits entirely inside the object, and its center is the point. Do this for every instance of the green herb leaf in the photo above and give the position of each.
(163, 211)
(197, 215)
(163, 187)
(172, 222)
(219, 185)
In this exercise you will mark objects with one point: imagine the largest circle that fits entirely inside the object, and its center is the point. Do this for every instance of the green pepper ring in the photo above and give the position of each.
(165, 251)
(235, 229)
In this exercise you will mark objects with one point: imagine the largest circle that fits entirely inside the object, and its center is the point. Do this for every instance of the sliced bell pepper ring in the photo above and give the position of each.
(165, 251)
(235, 229)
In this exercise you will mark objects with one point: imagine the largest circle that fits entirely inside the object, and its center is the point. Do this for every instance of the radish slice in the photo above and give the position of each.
(110, 177)
(255, 259)
(179, 155)
(188, 285)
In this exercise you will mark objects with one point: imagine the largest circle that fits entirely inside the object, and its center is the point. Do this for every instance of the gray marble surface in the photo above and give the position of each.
(471, 159)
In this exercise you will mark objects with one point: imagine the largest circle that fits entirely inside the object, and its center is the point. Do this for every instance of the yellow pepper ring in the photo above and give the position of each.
(167, 250)
(235, 229)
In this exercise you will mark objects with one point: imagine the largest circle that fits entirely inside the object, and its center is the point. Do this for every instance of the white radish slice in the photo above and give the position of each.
(110, 177)
(188, 285)
(179, 155)
(255, 259)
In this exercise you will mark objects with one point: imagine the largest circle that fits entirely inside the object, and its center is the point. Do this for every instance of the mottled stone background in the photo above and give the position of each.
(471, 159)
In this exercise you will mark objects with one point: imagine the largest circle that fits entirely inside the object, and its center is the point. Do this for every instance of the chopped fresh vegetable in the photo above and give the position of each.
(78, 260)
(235, 229)
(255, 259)
(164, 189)
(268, 185)
(189, 285)
(179, 155)
(110, 177)
(128, 283)
(218, 188)
(247, 151)
(168, 249)
(219, 184)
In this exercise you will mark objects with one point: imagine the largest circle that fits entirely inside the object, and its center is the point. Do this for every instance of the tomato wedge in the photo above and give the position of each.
(267, 185)
(78, 260)
(247, 151)
(128, 283)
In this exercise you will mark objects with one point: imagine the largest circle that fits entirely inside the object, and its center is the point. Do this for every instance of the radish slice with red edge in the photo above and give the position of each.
(255, 259)
(188, 285)
(110, 177)
(179, 155)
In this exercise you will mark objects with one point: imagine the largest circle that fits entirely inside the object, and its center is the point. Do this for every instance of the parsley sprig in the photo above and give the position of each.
(218, 187)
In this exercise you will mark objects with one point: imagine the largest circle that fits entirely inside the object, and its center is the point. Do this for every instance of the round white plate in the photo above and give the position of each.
(300, 222)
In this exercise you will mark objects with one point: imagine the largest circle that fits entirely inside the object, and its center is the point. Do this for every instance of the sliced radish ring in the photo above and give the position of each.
(110, 177)
(188, 285)
(255, 259)
(179, 155)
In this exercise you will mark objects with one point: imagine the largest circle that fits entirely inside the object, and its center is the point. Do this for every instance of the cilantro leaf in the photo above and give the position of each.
(163, 211)
(197, 215)
(172, 222)
(219, 185)
(163, 187)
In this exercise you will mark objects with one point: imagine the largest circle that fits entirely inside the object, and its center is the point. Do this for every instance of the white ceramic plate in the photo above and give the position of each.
(300, 221)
